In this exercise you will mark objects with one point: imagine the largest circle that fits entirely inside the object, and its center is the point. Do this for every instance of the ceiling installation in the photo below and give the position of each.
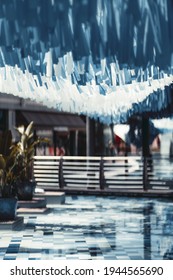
(106, 59)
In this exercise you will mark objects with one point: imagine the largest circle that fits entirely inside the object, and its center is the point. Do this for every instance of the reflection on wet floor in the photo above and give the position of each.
(92, 227)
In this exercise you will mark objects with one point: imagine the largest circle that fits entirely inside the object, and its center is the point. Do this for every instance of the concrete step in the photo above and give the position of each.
(51, 197)
(36, 202)
(17, 224)
(37, 211)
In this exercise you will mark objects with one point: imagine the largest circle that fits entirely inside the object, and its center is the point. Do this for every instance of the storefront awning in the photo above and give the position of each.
(51, 120)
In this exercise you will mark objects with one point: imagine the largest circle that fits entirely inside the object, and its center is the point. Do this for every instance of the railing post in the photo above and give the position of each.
(126, 165)
(145, 174)
(101, 175)
(61, 178)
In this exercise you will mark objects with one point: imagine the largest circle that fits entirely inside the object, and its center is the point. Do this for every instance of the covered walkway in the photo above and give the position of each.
(109, 61)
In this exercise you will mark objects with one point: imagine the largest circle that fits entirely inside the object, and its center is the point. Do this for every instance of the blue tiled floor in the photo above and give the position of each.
(91, 227)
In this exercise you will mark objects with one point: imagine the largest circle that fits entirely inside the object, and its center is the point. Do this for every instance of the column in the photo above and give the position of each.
(145, 137)
(90, 137)
(12, 123)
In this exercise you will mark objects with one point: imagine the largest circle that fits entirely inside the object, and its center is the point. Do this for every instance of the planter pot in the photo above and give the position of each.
(25, 190)
(8, 209)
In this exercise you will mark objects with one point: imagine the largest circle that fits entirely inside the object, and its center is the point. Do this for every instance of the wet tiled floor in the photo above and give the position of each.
(93, 227)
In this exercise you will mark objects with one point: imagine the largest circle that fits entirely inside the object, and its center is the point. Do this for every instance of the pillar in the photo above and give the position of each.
(74, 143)
(90, 137)
(145, 151)
(12, 123)
(145, 137)
(54, 142)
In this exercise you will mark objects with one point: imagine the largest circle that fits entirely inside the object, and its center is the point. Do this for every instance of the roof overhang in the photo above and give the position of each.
(55, 121)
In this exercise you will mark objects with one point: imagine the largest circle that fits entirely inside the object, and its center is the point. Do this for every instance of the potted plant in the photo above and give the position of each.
(8, 201)
(25, 150)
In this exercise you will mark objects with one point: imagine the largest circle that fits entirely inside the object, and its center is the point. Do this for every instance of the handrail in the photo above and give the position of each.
(89, 157)
(111, 173)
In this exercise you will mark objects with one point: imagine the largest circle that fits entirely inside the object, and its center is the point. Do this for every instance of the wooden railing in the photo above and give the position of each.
(103, 173)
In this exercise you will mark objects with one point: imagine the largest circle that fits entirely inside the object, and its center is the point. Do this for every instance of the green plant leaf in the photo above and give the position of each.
(29, 128)
(2, 162)
(21, 129)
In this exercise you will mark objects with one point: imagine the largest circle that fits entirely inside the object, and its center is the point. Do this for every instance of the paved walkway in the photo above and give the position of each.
(92, 227)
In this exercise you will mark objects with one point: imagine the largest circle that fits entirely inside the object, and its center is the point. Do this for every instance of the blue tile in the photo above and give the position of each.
(93, 227)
